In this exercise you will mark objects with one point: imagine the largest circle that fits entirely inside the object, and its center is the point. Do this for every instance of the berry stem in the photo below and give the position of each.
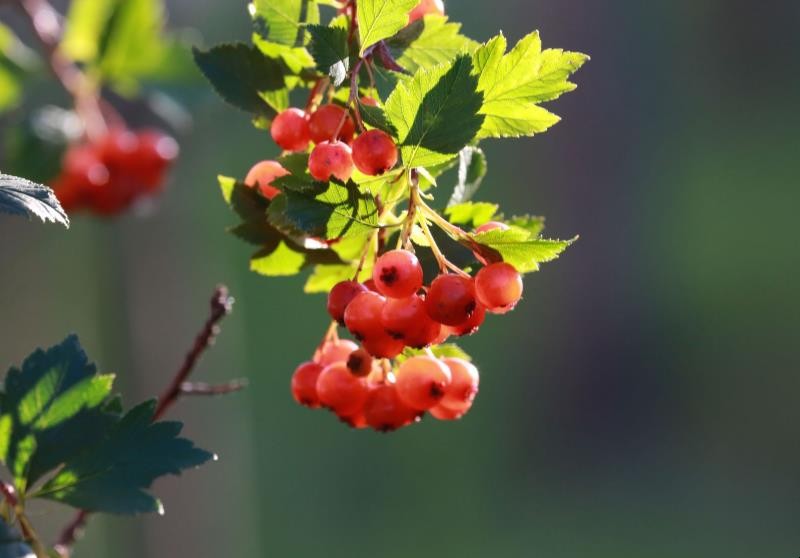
(28, 532)
(221, 306)
(47, 29)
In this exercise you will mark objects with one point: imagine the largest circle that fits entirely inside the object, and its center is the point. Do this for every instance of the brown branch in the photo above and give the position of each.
(221, 306)
(47, 27)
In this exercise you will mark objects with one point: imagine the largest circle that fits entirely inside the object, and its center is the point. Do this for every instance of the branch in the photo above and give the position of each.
(47, 27)
(221, 306)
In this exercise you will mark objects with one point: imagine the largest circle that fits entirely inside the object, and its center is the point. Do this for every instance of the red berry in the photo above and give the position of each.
(340, 391)
(374, 152)
(261, 176)
(422, 382)
(363, 315)
(397, 274)
(331, 160)
(83, 164)
(119, 148)
(369, 101)
(491, 226)
(471, 325)
(440, 412)
(69, 192)
(499, 287)
(424, 8)
(407, 319)
(451, 299)
(304, 384)
(359, 363)
(290, 130)
(464, 384)
(385, 412)
(326, 120)
(370, 284)
(356, 420)
(336, 351)
(383, 345)
(340, 296)
(156, 152)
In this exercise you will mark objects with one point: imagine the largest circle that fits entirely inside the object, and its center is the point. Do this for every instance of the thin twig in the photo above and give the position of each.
(221, 306)
(47, 28)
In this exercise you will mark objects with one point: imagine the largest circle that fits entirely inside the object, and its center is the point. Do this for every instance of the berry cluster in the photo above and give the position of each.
(363, 392)
(107, 176)
(392, 312)
(335, 154)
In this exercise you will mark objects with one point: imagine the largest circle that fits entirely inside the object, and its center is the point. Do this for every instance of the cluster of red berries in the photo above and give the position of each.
(393, 311)
(109, 175)
(335, 154)
(360, 390)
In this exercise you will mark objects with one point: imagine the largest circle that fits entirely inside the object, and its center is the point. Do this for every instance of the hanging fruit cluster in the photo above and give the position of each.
(397, 97)
(110, 174)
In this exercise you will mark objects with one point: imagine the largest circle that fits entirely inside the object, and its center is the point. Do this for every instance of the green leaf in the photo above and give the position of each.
(513, 83)
(429, 42)
(518, 247)
(131, 44)
(446, 350)
(245, 78)
(471, 170)
(376, 117)
(328, 47)
(11, 543)
(283, 19)
(380, 19)
(328, 211)
(281, 261)
(325, 277)
(51, 407)
(19, 196)
(435, 112)
(534, 225)
(83, 28)
(112, 475)
(471, 214)
(280, 253)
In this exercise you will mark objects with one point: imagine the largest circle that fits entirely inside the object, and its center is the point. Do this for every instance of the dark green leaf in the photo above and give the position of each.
(380, 19)
(330, 211)
(51, 407)
(11, 543)
(281, 253)
(112, 475)
(283, 19)
(435, 112)
(245, 78)
(329, 48)
(428, 42)
(19, 196)
(471, 170)
(376, 117)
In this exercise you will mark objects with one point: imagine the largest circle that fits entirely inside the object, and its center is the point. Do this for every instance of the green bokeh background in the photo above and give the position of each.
(642, 400)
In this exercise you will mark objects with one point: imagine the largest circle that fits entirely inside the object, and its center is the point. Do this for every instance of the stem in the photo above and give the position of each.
(28, 532)
(221, 306)
(413, 199)
(46, 24)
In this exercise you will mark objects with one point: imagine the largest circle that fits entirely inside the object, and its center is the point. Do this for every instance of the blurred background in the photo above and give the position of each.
(641, 401)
